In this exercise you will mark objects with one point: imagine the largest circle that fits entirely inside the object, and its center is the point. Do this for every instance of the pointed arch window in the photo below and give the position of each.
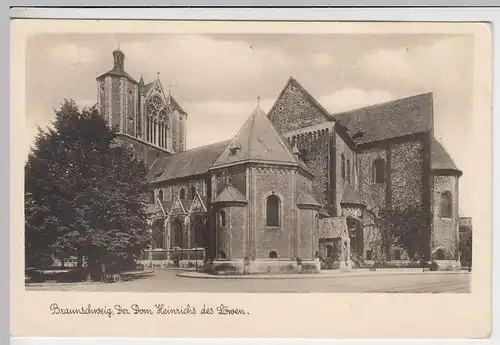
(182, 194)
(342, 166)
(160, 195)
(193, 192)
(379, 175)
(446, 205)
(273, 211)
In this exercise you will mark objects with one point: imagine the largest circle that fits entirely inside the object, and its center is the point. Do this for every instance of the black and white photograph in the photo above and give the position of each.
(238, 162)
(171, 163)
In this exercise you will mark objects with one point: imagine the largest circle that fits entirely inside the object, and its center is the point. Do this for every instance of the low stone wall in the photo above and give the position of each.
(170, 263)
(263, 266)
(448, 265)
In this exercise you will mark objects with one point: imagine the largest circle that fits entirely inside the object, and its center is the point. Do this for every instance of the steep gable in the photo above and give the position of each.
(295, 108)
(257, 141)
(156, 86)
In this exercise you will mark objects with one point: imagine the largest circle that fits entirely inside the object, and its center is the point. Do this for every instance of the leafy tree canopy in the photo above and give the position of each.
(83, 193)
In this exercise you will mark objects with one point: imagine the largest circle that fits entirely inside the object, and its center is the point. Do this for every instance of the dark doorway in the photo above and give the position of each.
(177, 234)
(355, 229)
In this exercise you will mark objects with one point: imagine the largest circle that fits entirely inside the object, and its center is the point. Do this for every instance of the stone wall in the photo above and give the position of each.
(273, 238)
(341, 148)
(293, 110)
(143, 151)
(406, 174)
(172, 189)
(237, 216)
(234, 175)
(307, 234)
(315, 149)
(116, 109)
(371, 193)
(445, 230)
(131, 95)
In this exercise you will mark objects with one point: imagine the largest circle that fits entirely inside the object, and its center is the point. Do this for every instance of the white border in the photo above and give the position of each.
(344, 14)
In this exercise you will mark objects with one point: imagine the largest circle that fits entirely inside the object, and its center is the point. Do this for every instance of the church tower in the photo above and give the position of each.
(147, 118)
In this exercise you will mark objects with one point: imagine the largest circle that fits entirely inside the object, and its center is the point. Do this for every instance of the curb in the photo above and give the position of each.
(308, 276)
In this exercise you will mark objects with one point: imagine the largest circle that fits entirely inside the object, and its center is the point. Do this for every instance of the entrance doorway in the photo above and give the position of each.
(177, 233)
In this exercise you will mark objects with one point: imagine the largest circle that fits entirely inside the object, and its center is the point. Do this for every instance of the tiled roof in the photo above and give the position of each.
(230, 195)
(388, 120)
(118, 72)
(440, 159)
(350, 196)
(258, 140)
(175, 104)
(187, 163)
(148, 87)
(306, 199)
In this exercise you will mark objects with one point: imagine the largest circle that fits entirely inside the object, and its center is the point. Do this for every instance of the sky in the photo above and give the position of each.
(217, 78)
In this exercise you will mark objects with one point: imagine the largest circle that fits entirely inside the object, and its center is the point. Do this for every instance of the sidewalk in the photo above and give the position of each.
(324, 274)
(63, 283)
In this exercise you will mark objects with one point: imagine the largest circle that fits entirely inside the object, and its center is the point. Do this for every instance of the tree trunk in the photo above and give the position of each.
(79, 260)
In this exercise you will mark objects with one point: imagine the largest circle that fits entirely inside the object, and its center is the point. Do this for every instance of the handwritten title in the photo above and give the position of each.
(156, 309)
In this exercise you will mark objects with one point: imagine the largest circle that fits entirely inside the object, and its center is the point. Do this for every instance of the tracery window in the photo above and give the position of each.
(157, 121)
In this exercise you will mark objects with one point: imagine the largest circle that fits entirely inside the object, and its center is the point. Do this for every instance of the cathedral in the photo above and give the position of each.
(295, 185)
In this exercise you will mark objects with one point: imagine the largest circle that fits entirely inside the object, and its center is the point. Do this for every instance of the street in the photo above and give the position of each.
(371, 282)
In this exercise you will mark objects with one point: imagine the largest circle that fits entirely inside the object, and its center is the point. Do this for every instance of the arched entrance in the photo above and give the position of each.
(177, 233)
(200, 235)
(159, 233)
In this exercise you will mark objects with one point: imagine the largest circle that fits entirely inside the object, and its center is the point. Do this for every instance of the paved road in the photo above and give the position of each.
(167, 281)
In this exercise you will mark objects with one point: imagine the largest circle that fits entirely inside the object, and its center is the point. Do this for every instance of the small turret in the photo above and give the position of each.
(119, 60)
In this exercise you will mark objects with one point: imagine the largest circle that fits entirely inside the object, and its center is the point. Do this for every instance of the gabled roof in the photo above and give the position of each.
(293, 82)
(350, 196)
(198, 204)
(187, 163)
(148, 89)
(305, 199)
(258, 141)
(116, 71)
(177, 207)
(230, 195)
(388, 120)
(441, 160)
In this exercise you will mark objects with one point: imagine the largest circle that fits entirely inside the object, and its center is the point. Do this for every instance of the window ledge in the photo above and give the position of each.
(445, 218)
(273, 227)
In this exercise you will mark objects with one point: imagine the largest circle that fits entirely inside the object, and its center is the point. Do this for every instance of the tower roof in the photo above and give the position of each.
(441, 160)
(258, 141)
(305, 199)
(118, 68)
(350, 196)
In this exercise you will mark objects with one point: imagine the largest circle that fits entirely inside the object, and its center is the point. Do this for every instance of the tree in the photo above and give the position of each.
(407, 228)
(83, 193)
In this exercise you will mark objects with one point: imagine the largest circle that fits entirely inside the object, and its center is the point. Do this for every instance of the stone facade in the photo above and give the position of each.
(445, 239)
(330, 160)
